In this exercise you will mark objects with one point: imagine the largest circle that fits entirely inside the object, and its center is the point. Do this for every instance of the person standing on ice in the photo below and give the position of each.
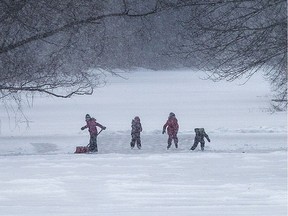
(199, 137)
(135, 132)
(172, 130)
(91, 124)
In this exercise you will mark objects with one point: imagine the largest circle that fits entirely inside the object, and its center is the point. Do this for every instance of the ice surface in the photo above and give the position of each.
(243, 171)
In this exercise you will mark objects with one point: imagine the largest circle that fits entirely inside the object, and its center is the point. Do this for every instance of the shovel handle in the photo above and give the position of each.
(97, 135)
(99, 132)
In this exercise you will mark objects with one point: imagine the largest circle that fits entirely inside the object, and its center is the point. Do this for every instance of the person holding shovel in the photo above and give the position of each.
(92, 125)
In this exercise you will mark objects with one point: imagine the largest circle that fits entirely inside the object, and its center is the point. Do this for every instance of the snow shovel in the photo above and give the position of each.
(84, 149)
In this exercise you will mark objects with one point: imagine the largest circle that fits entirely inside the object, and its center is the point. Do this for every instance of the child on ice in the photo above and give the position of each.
(91, 124)
(172, 130)
(135, 132)
(199, 137)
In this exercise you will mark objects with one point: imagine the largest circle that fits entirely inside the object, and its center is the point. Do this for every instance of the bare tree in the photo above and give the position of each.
(57, 47)
(234, 39)
(52, 47)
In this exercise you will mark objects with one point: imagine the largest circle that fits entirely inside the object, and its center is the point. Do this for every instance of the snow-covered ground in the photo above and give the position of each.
(243, 171)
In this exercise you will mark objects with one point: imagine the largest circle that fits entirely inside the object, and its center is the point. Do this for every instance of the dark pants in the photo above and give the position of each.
(196, 142)
(170, 138)
(135, 139)
(93, 143)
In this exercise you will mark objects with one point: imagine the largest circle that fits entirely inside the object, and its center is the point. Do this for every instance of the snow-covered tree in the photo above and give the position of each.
(62, 48)
(233, 39)
(53, 47)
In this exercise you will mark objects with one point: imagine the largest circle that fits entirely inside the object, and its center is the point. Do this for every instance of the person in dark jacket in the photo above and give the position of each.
(135, 132)
(199, 137)
(172, 130)
(92, 125)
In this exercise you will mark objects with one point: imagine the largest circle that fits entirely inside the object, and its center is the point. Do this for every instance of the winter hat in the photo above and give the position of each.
(171, 114)
(87, 116)
(137, 118)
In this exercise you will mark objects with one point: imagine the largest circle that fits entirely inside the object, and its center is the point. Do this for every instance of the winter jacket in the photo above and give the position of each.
(92, 126)
(171, 125)
(200, 134)
(136, 127)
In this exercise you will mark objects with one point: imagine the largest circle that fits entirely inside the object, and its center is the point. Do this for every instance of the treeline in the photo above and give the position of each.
(51, 46)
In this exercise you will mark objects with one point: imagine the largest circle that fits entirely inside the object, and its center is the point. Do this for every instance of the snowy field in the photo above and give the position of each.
(243, 170)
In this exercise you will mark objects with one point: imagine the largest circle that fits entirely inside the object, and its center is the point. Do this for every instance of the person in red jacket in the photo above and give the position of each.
(172, 130)
(92, 125)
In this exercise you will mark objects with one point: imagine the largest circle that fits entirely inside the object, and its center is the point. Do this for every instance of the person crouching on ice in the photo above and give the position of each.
(199, 137)
(135, 132)
(91, 124)
(172, 130)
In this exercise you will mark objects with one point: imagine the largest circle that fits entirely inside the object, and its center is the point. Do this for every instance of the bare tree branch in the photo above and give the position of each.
(232, 39)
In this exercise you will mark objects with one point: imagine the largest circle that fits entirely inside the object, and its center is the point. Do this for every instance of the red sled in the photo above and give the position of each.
(81, 149)
(84, 149)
